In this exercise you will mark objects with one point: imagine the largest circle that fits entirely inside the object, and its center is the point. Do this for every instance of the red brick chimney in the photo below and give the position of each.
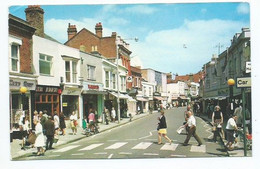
(99, 29)
(35, 17)
(72, 31)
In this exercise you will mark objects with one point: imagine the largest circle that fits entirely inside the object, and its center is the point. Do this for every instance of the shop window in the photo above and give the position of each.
(45, 64)
(49, 98)
(91, 72)
(14, 57)
(55, 98)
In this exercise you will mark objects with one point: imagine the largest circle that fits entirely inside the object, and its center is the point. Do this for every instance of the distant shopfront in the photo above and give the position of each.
(93, 98)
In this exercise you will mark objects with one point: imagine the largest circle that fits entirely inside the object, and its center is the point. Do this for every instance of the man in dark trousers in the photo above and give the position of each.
(191, 125)
(49, 132)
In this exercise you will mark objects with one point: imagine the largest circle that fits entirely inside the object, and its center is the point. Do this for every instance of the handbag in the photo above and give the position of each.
(31, 138)
(75, 123)
(55, 139)
(214, 128)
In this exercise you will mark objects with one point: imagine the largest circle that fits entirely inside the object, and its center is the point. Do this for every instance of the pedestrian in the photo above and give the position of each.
(25, 131)
(217, 121)
(39, 142)
(162, 128)
(91, 120)
(62, 123)
(106, 115)
(238, 113)
(56, 123)
(113, 114)
(191, 126)
(49, 132)
(73, 122)
(35, 117)
(42, 119)
(230, 129)
(186, 117)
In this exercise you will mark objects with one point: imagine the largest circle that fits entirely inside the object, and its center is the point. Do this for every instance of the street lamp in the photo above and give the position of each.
(117, 70)
(23, 90)
(231, 83)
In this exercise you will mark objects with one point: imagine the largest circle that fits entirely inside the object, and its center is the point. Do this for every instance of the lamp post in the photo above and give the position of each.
(23, 90)
(231, 83)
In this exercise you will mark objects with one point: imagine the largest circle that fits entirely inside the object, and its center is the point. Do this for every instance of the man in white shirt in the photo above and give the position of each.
(191, 125)
(230, 129)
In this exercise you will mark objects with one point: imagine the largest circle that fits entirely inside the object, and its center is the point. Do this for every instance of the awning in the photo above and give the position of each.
(142, 99)
(93, 92)
(183, 97)
(121, 96)
(174, 98)
(158, 98)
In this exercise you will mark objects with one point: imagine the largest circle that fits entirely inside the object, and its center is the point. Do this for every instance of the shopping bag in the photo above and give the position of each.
(180, 129)
(55, 139)
(31, 138)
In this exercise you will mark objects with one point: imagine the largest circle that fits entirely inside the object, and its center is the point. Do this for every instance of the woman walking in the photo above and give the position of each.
(73, 122)
(217, 121)
(162, 129)
(62, 123)
(39, 142)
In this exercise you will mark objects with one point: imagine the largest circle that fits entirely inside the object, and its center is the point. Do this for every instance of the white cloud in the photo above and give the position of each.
(243, 8)
(163, 50)
(142, 9)
(117, 21)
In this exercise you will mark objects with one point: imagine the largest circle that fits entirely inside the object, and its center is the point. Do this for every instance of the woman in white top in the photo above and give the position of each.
(56, 123)
(113, 114)
(73, 122)
(39, 142)
(230, 129)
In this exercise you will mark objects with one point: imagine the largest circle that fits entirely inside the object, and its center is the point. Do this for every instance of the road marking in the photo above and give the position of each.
(54, 155)
(66, 148)
(168, 146)
(151, 139)
(101, 153)
(112, 140)
(150, 134)
(116, 145)
(151, 154)
(110, 156)
(78, 154)
(175, 155)
(142, 145)
(132, 139)
(92, 146)
(125, 153)
(200, 149)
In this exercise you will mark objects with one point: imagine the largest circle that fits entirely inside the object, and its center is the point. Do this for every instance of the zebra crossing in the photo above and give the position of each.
(102, 148)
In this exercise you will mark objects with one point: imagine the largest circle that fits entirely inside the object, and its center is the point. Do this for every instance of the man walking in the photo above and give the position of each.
(49, 131)
(191, 126)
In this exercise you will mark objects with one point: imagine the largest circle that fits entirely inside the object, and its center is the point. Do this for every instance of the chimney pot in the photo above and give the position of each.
(99, 29)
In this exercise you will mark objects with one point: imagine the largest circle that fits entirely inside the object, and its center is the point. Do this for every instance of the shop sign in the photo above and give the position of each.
(129, 79)
(47, 89)
(92, 86)
(244, 82)
(64, 104)
(17, 83)
(71, 91)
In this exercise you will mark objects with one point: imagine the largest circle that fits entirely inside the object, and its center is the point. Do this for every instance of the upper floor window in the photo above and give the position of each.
(145, 91)
(107, 79)
(94, 48)
(14, 57)
(45, 64)
(71, 71)
(150, 91)
(113, 81)
(123, 83)
(91, 72)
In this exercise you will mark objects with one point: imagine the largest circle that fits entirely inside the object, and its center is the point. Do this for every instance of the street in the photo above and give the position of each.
(138, 139)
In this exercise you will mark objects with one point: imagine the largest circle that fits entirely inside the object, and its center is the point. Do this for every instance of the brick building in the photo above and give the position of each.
(108, 47)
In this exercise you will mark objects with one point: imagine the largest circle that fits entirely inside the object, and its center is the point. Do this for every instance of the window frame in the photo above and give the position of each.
(91, 72)
(72, 72)
(17, 58)
(46, 61)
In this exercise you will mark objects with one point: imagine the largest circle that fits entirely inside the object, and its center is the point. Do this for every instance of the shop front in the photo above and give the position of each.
(20, 98)
(111, 101)
(70, 101)
(93, 99)
(47, 98)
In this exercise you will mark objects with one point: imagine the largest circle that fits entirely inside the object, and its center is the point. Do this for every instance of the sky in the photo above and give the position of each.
(173, 37)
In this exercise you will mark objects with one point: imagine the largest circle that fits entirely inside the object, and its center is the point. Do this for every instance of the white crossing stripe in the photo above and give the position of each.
(92, 146)
(125, 153)
(151, 154)
(168, 146)
(110, 156)
(176, 155)
(200, 149)
(66, 148)
(142, 145)
(116, 145)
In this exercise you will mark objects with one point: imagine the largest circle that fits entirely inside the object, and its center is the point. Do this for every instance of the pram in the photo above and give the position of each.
(91, 129)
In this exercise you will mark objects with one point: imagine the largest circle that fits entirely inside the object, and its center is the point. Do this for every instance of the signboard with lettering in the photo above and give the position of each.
(248, 67)
(92, 86)
(17, 83)
(71, 91)
(47, 89)
(129, 79)
(243, 82)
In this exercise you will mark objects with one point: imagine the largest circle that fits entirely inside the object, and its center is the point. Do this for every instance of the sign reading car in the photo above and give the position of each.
(244, 82)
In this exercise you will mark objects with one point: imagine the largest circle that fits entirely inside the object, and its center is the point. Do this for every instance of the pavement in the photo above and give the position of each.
(238, 150)
(15, 145)
(16, 151)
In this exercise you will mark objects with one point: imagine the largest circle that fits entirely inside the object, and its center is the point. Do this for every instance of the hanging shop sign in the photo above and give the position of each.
(18, 83)
(243, 82)
(47, 89)
(129, 79)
